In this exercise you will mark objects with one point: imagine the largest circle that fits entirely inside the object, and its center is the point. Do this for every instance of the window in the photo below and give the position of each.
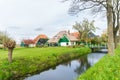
(67, 43)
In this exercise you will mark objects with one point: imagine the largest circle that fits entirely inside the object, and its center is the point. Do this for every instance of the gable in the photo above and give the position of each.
(41, 41)
(41, 36)
(91, 35)
(63, 39)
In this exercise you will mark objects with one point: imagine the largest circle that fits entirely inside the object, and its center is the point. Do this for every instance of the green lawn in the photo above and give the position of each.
(31, 60)
(108, 68)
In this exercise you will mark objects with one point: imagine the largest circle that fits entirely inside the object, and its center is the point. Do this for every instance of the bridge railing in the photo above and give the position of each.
(96, 46)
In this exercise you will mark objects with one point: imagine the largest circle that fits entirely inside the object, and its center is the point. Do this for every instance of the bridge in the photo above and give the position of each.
(97, 48)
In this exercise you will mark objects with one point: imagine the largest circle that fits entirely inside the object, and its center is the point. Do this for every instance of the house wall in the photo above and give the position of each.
(64, 41)
(31, 45)
(53, 44)
(63, 44)
(1, 46)
(67, 43)
(22, 44)
(73, 43)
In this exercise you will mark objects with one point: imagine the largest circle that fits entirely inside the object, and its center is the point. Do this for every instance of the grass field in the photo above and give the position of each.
(30, 60)
(35, 52)
(108, 68)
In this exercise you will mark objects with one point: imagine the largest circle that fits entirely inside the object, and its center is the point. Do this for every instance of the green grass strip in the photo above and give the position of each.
(108, 68)
(32, 60)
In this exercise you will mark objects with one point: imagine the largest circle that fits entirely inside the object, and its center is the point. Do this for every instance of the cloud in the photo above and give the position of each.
(14, 27)
(25, 16)
(29, 12)
(38, 29)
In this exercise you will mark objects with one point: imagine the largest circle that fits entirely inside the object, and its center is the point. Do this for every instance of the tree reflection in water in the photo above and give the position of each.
(84, 65)
(69, 70)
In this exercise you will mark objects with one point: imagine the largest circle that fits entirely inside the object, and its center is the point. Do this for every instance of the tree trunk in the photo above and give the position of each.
(118, 17)
(115, 40)
(110, 28)
(80, 35)
(119, 37)
(118, 28)
(10, 55)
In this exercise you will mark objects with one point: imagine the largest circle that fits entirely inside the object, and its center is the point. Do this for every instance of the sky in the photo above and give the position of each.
(26, 19)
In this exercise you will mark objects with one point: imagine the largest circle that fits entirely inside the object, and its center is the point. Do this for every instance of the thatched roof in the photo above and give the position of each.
(28, 41)
(41, 36)
(57, 37)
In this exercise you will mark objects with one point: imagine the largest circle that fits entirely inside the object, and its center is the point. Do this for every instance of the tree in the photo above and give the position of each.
(104, 36)
(112, 8)
(1, 37)
(84, 29)
(10, 44)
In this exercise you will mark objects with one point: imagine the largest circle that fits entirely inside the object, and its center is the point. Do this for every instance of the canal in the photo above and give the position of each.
(69, 70)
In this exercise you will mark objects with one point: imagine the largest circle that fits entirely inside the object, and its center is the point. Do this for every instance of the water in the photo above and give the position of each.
(70, 70)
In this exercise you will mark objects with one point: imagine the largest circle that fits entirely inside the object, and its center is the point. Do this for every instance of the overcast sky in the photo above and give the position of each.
(29, 18)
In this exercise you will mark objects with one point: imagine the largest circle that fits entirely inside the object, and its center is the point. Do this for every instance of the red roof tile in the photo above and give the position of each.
(28, 41)
(41, 36)
(75, 34)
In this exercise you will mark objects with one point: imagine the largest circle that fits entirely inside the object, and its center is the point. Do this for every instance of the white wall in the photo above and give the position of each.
(69, 43)
(31, 45)
(1, 46)
(63, 44)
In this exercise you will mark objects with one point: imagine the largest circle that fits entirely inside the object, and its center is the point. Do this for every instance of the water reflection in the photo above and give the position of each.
(69, 70)
(84, 65)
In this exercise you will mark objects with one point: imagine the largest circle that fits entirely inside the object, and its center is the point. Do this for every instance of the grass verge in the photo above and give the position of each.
(32, 60)
(108, 68)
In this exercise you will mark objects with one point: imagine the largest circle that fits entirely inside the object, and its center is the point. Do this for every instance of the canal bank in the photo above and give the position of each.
(108, 68)
(69, 70)
(29, 61)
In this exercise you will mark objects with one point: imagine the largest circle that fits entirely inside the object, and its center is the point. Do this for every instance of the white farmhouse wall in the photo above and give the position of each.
(63, 44)
(74, 43)
(69, 44)
(31, 45)
(1, 46)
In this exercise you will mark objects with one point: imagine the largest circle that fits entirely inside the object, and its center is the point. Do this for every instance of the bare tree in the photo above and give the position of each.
(3, 38)
(10, 44)
(112, 8)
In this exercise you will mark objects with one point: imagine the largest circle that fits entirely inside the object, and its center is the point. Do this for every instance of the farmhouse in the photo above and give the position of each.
(27, 43)
(40, 40)
(63, 38)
